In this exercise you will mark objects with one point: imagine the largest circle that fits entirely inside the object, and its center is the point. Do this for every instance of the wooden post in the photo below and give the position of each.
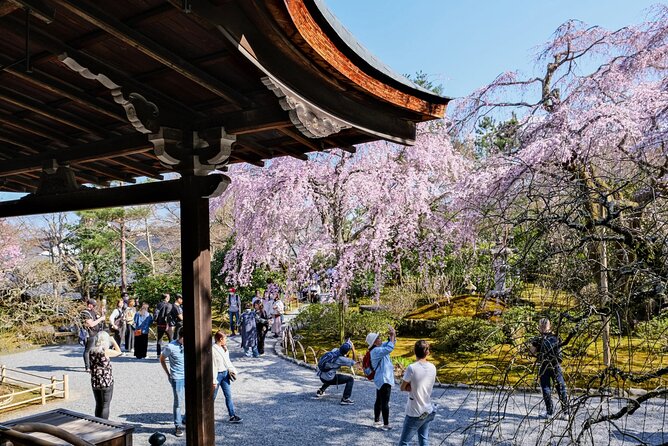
(3, 373)
(42, 391)
(53, 385)
(196, 273)
(66, 386)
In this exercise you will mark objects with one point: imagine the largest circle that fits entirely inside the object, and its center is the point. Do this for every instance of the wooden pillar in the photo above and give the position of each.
(196, 270)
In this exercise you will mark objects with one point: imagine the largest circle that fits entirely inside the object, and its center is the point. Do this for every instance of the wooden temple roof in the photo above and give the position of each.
(93, 85)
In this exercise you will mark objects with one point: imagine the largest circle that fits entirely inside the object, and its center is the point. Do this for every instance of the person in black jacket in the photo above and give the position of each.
(547, 348)
(262, 324)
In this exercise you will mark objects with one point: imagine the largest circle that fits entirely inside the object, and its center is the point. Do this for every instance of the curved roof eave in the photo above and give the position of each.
(354, 46)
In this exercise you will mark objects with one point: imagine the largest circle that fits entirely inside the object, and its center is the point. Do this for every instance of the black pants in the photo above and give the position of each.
(129, 338)
(340, 379)
(261, 334)
(141, 345)
(119, 334)
(382, 404)
(90, 343)
(162, 330)
(102, 401)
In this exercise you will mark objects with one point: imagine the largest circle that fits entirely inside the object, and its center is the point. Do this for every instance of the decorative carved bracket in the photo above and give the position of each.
(308, 118)
(56, 179)
(142, 114)
(196, 153)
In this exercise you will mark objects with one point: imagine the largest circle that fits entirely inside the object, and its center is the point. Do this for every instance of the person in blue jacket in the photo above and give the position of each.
(384, 375)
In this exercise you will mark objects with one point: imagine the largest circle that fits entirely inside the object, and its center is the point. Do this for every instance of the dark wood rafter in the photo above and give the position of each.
(51, 113)
(96, 151)
(140, 42)
(35, 129)
(57, 87)
(168, 105)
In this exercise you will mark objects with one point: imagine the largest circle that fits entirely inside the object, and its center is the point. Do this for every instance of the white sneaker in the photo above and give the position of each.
(545, 415)
(377, 424)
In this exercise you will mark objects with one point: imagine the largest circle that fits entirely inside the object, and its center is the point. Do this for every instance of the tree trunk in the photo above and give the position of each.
(150, 247)
(603, 290)
(124, 272)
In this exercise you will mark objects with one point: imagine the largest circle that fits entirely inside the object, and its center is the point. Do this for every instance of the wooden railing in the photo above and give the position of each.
(38, 388)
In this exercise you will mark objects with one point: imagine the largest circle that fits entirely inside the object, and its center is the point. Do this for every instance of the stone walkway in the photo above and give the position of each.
(276, 400)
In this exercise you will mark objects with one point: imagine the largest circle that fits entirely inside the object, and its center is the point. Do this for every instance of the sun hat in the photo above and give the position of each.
(371, 338)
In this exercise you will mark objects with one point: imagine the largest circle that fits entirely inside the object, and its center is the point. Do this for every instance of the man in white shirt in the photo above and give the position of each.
(418, 380)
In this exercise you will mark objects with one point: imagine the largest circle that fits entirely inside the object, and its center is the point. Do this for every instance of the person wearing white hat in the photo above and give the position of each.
(384, 375)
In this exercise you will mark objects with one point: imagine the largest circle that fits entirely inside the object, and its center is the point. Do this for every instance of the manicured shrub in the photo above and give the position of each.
(463, 334)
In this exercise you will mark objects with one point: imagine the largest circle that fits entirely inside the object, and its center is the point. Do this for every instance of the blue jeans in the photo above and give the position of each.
(179, 390)
(223, 380)
(234, 320)
(547, 378)
(413, 425)
(251, 351)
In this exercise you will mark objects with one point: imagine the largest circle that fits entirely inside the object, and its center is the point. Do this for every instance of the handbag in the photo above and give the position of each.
(138, 332)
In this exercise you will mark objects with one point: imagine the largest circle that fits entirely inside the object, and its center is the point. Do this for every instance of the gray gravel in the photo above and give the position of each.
(275, 398)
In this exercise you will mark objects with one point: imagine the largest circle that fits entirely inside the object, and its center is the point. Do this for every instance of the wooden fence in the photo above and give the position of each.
(35, 388)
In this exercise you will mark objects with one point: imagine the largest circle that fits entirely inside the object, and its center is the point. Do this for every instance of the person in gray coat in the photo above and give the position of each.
(329, 364)
(248, 328)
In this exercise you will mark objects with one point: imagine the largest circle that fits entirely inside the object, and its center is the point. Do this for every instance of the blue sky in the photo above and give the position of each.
(464, 45)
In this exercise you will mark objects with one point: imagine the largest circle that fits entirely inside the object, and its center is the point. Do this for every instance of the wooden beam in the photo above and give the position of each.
(57, 87)
(140, 194)
(196, 288)
(35, 129)
(135, 39)
(49, 112)
(39, 9)
(95, 151)
(313, 145)
(250, 121)
(172, 112)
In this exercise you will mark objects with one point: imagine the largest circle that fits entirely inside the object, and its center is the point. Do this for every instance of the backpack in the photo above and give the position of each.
(83, 336)
(326, 362)
(369, 370)
(161, 314)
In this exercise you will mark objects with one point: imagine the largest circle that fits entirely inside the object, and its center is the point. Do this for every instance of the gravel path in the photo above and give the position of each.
(276, 400)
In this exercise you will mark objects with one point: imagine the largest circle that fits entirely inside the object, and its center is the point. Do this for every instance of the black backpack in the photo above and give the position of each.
(161, 314)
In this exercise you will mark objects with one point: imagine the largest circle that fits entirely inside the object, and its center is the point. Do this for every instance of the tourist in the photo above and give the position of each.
(257, 297)
(384, 375)
(268, 305)
(277, 314)
(173, 353)
(224, 373)
(329, 364)
(117, 322)
(233, 309)
(418, 380)
(261, 325)
(175, 316)
(547, 348)
(130, 328)
(101, 377)
(143, 321)
(161, 312)
(92, 323)
(248, 329)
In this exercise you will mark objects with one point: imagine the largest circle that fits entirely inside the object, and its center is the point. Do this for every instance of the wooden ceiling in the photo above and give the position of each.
(89, 85)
